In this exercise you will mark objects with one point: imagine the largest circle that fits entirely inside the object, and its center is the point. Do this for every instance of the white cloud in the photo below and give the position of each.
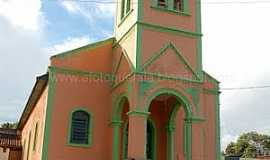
(22, 13)
(91, 11)
(68, 44)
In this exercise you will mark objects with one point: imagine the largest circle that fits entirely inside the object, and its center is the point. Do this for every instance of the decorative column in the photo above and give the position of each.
(170, 140)
(116, 134)
(188, 138)
(137, 134)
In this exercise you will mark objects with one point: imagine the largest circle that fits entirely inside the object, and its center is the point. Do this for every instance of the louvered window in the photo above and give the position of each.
(80, 127)
(178, 5)
(162, 3)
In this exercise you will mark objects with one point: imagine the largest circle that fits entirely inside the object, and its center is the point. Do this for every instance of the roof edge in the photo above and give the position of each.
(28, 107)
(211, 77)
(88, 46)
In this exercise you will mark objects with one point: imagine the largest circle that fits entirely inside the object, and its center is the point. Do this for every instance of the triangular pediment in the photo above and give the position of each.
(170, 62)
(122, 67)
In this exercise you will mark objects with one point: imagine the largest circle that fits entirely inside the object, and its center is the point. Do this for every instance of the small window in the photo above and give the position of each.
(178, 5)
(123, 3)
(80, 128)
(128, 6)
(162, 3)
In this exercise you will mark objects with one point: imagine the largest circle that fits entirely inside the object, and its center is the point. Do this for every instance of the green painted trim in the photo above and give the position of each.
(199, 40)
(162, 51)
(90, 134)
(115, 69)
(155, 75)
(35, 137)
(218, 147)
(171, 11)
(116, 122)
(170, 29)
(116, 139)
(84, 48)
(163, 77)
(138, 113)
(154, 140)
(125, 35)
(188, 139)
(123, 6)
(122, 81)
(195, 94)
(48, 116)
(125, 17)
(125, 140)
(95, 75)
(195, 119)
(211, 91)
(188, 114)
(180, 97)
(139, 48)
(129, 61)
(139, 37)
(118, 106)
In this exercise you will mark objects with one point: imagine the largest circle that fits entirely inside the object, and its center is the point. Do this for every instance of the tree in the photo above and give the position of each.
(8, 125)
(230, 150)
(248, 145)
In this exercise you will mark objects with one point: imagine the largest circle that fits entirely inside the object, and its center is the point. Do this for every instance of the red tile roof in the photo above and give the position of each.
(10, 138)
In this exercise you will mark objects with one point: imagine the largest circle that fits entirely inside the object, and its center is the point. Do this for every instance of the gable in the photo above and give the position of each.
(96, 57)
(170, 62)
(122, 67)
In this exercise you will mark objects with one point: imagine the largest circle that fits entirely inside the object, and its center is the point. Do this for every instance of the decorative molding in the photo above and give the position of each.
(211, 91)
(48, 116)
(170, 29)
(138, 113)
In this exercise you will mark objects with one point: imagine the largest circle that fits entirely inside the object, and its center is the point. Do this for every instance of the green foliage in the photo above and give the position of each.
(245, 146)
(8, 125)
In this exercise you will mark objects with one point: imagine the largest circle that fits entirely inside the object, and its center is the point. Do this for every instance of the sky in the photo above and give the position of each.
(236, 50)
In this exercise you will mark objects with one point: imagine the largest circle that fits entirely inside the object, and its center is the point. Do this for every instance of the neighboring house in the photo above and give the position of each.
(139, 95)
(10, 144)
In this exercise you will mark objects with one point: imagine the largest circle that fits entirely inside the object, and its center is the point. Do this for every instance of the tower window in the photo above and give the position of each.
(80, 128)
(162, 3)
(178, 5)
(123, 2)
(128, 6)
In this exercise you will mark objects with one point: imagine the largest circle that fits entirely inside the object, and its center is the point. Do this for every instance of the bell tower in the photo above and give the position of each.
(144, 28)
(158, 57)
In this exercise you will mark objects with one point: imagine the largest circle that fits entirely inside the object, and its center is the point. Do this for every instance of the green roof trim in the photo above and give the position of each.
(84, 48)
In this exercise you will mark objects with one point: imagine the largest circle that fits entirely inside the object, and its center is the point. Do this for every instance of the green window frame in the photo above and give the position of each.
(74, 123)
(126, 8)
(123, 2)
(171, 6)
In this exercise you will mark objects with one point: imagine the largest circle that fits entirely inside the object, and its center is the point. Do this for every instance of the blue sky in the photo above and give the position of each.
(235, 51)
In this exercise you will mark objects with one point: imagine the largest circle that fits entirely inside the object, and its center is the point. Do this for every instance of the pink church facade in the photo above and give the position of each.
(139, 95)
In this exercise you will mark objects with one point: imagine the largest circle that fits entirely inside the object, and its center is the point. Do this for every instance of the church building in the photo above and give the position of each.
(141, 95)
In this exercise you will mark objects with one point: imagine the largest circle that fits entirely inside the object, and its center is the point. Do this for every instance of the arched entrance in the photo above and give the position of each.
(171, 115)
(120, 128)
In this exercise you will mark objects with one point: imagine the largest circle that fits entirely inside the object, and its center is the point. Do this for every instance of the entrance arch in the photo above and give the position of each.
(164, 106)
(120, 127)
